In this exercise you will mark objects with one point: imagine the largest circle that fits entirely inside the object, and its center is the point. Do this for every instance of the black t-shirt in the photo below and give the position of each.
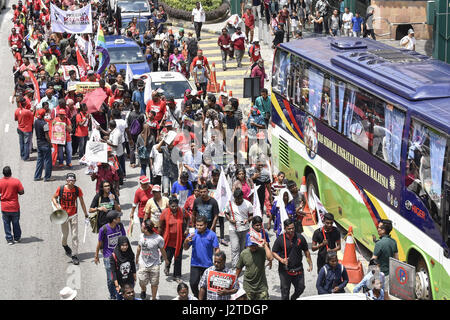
(333, 237)
(231, 122)
(294, 251)
(20, 88)
(209, 208)
(41, 126)
(103, 202)
(211, 185)
(196, 105)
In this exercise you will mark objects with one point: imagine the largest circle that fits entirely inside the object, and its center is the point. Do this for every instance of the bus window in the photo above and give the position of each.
(356, 124)
(388, 124)
(315, 87)
(297, 72)
(326, 101)
(281, 68)
(426, 154)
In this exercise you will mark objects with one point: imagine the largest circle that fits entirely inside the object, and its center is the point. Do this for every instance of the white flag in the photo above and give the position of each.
(90, 54)
(320, 209)
(223, 192)
(128, 75)
(256, 206)
(280, 204)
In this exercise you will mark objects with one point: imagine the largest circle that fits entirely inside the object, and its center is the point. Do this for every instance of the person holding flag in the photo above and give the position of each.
(282, 209)
(326, 238)
(288, 249)
(239, 213)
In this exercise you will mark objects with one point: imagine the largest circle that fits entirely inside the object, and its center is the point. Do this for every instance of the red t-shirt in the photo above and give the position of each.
(16, 39)
(25, 118)
(140, 198)
(68, 200)
(249, 20)
(171, 223)
(159, 107)
(9, 190)
(82, 130)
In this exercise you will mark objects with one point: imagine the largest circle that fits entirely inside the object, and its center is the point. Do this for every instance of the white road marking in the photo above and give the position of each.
(6, 128)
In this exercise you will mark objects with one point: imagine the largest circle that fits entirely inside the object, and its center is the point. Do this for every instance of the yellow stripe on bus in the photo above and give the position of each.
(282, 116)
(401, 251)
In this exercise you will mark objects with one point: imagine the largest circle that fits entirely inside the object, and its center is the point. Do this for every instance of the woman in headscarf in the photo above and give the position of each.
(283, 199)
(123, 265)
(144, 144)
(175, 60)
(243, 183)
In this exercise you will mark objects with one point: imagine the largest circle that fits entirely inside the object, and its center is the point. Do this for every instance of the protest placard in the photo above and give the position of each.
(59, 133)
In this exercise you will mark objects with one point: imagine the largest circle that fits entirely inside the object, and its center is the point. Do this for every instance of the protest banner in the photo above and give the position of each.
(59, 133)
(220, 280)
(85, 87)
(66, 69)
(96, 152)
(76, 21)
(256, 237)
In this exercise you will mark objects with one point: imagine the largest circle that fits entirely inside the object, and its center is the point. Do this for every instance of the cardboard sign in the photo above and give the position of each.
(96, 152)
(66, 69)
(85, 87)
(256, 237)
(219, 280)
(402, 280)
(59, 133)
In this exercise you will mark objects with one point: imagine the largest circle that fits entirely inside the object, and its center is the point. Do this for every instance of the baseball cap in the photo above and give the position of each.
(170, 99)
(41, 113)
(156, 188)
(160, 91)
(168, 123)
(181, 30)
(71, 176)
(410, 31)
(62, 111)
(90, 72)
(144, 179)
(224, 94)
(194, 92)
(199, 62)
(140, 84)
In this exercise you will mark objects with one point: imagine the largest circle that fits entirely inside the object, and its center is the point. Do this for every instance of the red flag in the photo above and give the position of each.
(37, 95)
(82, 66)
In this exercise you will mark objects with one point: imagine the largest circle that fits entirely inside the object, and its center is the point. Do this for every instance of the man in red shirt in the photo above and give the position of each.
(82, 129)
(156, 104)
(141, 196)
(202, 58)
(249, 21)
(224, 42)
(15, 39)
(238, 42)
(68, 145)
(25, 119)
(66, 199)
(10, 188)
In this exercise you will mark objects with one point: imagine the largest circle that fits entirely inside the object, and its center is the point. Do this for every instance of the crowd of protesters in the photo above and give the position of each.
(186, 149)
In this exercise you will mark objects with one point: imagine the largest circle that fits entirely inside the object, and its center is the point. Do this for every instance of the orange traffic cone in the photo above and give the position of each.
(213, 86)
(354, 267)
(230, 94)
(224, 87)
(308, 219)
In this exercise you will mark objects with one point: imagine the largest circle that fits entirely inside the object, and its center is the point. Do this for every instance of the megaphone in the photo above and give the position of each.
(58, 216)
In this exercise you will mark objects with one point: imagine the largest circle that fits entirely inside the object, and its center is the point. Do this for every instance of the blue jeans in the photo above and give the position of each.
(44, 160)
(144, 165)
(68, 148)
(121, 160)
(24, 142)
(82, 141)
(8, 219)
(111, 287)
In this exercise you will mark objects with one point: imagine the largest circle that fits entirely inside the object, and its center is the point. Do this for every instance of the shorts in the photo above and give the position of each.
(148, 275)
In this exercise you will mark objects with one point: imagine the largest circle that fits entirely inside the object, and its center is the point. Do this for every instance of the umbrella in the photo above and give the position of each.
(94, 100)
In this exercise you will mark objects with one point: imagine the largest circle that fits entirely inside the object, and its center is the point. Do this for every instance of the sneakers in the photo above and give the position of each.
(166, 271)
(178, 280)
(143, 295)
(75, 260)
(10, 242)
(18, 240)
(224, 242)
(49, 179)
(68, 250)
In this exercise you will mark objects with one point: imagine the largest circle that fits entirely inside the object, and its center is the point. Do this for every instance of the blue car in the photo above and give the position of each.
(123, 50)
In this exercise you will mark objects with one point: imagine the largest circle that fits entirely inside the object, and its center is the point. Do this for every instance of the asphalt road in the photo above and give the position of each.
(37, 268)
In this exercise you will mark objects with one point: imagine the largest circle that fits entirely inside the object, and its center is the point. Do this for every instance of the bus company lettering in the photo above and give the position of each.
(420, 213)
(354, 161)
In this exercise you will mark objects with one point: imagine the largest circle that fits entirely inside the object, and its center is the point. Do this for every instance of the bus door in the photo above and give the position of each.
(444, 284)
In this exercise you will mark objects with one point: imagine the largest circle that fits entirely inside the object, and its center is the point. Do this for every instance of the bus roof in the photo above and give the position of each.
(407, 77)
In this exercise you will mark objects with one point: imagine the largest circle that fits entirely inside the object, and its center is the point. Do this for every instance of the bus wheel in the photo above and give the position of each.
(311, 184)
(423, 290)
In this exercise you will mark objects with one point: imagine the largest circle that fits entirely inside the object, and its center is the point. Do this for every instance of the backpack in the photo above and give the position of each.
(192, 47)
(136, 127)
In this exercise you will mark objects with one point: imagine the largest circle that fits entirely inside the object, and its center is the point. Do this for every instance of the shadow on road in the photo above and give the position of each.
(86, 256)
(31, 240)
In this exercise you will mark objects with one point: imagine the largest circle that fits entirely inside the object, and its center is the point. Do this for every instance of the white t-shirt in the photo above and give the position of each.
(347, 17)
(150, 246)
(116, 138)
(241, 213)
(408, 43)
(157, 161)
(122, 125)
(199, 15)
